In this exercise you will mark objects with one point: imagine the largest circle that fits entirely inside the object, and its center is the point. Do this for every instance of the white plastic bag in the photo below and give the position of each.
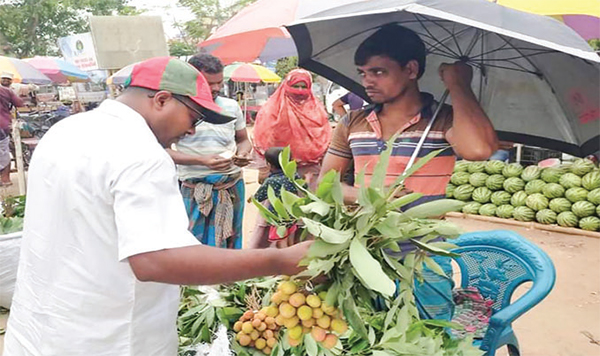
(10, 247)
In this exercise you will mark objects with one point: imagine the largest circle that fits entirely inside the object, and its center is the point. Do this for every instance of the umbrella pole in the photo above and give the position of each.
(245, 100)
(437, 110)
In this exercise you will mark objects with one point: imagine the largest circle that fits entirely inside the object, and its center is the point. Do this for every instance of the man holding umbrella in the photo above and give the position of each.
(390, 71)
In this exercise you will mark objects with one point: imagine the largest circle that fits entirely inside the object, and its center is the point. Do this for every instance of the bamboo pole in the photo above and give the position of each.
(16, 131)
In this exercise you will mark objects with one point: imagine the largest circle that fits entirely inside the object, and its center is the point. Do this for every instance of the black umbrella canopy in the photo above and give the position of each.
(535, 77)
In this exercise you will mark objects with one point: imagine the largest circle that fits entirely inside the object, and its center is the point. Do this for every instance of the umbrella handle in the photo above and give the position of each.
(426, 131)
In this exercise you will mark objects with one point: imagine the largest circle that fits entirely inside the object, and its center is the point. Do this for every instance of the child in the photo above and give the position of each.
(263, 232)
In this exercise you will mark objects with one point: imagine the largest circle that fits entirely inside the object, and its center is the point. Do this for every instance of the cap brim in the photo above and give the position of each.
(213, 113)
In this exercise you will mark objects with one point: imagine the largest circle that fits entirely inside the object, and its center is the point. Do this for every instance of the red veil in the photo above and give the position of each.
(294, 117)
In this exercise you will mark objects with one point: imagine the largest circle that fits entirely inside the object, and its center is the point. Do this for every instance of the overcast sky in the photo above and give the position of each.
(169, 11)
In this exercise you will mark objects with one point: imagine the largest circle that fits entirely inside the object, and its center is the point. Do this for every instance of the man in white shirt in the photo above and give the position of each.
(209, 166)
(106, 237)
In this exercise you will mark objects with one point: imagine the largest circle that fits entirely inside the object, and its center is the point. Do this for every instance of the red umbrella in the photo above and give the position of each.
(256, 32)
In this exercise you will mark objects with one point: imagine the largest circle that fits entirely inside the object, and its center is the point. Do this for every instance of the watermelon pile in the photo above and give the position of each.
(567, 195)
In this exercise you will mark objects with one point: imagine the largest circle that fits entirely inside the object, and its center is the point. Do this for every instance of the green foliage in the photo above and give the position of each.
(595, 44)
(32, 27)
(286, 65)
(210, 14)
(180, 48)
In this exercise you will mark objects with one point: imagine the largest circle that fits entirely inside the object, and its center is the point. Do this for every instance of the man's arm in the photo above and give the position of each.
(215, 162)
(338, 107)
(472, 134)
(201, 265)
(339, 164)
(244, 146)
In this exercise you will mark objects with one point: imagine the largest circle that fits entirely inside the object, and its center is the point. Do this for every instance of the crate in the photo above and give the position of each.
(533, 155)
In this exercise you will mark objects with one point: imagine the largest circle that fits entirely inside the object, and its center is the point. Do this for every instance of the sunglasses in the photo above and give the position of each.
(199, 115)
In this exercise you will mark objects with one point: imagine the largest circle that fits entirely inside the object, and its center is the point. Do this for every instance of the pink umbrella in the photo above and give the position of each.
(256, 32)
(58, 70)
(586, 26)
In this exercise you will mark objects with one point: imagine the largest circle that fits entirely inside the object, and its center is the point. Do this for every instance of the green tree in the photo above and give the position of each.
(595, 44)
(285, 65)
(32, 27)
(209, 15)
(181, 48)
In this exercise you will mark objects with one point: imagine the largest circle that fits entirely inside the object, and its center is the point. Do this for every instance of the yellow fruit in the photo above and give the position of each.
(268, 334)
(254, 335)
(293, 342)
(317, 313)
(339, 326)
(248, 314)
(297, 300)
(262, 326)
(323, 295)
(256, 323)
(313, 301)
(279, 320)
(260, 315)
(318, 334)
(267, 350)
(288, 287)
(304, 312)
(328, 309)
(239, 335)
(308, 323)
(330, 341)
(247, 327)
(271, 311)
(270, 320)
(324, 321)
(272, 326)
(245, 340)
(237, 326)
(260, 343)
(305, 330)
(277, 297)
(271, 342)
(291, 322)
(296, 332)
(287, 310)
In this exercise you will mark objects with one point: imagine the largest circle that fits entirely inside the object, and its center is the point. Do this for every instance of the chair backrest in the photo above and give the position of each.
(497, 262)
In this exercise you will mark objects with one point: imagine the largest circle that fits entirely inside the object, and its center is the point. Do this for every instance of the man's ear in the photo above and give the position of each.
(413, 69)
(161, 98)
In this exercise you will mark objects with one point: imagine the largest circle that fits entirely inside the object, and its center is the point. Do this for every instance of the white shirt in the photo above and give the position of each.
(212, 139)
(101, 189)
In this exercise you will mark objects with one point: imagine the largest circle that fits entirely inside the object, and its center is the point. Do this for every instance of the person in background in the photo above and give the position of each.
(503, 152)
(293, 116)
(354, 101)
(264, 233)
(390, 63)
(209, 163)
(106, 241)
(8, 101)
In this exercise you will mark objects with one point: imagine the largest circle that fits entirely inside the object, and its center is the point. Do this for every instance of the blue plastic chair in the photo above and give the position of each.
(496, 263)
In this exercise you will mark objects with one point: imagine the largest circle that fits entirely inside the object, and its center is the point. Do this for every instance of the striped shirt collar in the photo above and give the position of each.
(426, 112)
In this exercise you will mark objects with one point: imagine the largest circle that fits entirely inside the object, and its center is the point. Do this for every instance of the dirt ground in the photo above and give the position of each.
(555, 327)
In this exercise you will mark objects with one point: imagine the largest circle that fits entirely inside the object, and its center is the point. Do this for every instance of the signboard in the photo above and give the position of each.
(79, 49)
(122, 40)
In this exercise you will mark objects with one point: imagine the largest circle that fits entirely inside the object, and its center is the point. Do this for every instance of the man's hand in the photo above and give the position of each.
(216, 162)
(291, 257)
(457, 74)
(242, 160)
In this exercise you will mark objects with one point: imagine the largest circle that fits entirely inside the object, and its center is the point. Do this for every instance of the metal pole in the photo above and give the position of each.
(437, 110)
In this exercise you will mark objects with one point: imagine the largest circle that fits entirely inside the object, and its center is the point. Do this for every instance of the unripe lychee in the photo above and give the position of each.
(271, 311)
(317, 313)
(254, 335)
(260, 343)
(248, 314)
(237, 326)
(339, 326)
(271, 342)
(247, 327)
(267, 350)
(291, 322)
(318, 334)
(262, 326)
(324, 321)
(309, 322)
(328, 309)
(288, 287)
(268, 334)
(277, 297)
(279, 320)
(330, 341)
(313, 301)
(304, 312)
(270, 320)
(260, 315)
(296, 332)
(256, 323)
(287, 310)
(297, 300)
(245, 340)
(293, 342)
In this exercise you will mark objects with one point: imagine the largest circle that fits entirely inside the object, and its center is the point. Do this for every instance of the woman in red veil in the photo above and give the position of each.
(294, 116)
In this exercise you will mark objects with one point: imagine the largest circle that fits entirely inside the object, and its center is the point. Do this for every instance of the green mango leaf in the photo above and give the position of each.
(405, 200)
(336, 190)
(445, 228)
(354, 319)
(371, 336)
(310, 345)
(271, 218)
(434, 266)
(316, 207)
(416, 166)
(380, 171)
(332, 294)
(289, 200)
(359, 347)
(277, 204)
(433, 249)
(433, 209)
(369, 270)
(326, 233)
(443, 324)
(381, 353)
(320, 249)
(388, 227)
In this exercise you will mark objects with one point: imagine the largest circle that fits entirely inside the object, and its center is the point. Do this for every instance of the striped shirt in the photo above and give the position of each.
(212, 139)
(358, 136)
